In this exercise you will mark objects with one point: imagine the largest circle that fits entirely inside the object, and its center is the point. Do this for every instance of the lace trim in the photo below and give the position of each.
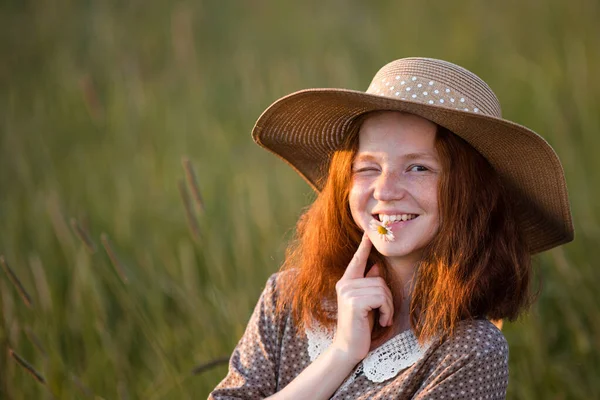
(382, 363)
(319, 339)
(398, 353)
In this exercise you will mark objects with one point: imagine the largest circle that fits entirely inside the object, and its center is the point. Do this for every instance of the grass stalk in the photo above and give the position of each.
(210, 364)
(114, 259)
(189, 212)
(192, 183)
(36, 342)
(83, 235)
(12, 277)
(27, 366)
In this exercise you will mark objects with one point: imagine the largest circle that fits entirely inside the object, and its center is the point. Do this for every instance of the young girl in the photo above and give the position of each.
(429, 208)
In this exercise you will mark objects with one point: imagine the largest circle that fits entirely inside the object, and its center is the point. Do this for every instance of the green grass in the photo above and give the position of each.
(99, 103)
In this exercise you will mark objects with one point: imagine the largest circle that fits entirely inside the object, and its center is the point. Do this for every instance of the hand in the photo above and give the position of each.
(357, 298)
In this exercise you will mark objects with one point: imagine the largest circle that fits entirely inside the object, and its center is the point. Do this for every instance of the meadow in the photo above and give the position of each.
(139, 222)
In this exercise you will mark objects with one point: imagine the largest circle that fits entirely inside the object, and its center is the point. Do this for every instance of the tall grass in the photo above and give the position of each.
(134, 280)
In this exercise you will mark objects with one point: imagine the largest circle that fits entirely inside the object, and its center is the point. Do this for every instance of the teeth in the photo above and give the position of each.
(385, 218)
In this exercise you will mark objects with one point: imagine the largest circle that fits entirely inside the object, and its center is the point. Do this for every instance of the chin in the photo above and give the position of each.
(396, 249)
(393, 249)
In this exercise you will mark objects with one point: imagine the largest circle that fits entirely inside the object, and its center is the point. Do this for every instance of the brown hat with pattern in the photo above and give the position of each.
(305, 127)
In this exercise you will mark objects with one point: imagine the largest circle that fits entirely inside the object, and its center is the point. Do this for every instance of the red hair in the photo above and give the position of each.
(476, 266)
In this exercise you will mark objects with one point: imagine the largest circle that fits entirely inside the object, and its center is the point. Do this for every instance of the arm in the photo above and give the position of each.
(333, 363)
(357, 296)
(254, 364)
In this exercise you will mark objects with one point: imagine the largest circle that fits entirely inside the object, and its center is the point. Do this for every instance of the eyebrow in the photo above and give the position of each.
(413, 156)
(364, 157)
(409, 156)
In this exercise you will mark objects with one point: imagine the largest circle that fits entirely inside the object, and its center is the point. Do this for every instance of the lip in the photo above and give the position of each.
(393, 212)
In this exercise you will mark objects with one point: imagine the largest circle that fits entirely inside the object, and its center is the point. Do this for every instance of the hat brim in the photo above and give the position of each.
(305, 127)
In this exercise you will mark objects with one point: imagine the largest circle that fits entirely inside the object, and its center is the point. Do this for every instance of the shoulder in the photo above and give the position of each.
(278, 282)
(270, 291)
(473, 362)
(482, 331)
(268, 321)
(271, 297)
(475, 340)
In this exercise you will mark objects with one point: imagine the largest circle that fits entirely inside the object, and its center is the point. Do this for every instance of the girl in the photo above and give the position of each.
(430, 206)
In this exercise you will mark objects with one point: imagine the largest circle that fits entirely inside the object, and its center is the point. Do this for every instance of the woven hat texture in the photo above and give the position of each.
(306, 127)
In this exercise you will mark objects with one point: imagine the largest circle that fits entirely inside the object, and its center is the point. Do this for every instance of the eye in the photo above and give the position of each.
(418, 168)
(364, 169)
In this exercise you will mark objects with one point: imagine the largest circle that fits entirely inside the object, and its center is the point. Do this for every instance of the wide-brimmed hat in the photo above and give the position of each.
(306, 127)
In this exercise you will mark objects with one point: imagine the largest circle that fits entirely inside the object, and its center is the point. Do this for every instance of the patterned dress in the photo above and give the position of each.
(473, 364)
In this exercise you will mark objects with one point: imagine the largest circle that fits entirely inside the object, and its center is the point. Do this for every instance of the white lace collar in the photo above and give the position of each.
(382, 363)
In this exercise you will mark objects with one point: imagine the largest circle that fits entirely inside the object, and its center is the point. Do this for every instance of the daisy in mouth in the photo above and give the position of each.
(382, 228)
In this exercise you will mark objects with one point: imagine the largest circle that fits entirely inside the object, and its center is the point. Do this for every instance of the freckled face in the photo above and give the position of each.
(395, 178)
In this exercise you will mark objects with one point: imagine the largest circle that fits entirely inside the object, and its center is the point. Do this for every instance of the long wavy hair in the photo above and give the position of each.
(477, 265)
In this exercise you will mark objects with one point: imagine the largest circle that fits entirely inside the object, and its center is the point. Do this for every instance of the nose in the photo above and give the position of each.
(389, 186)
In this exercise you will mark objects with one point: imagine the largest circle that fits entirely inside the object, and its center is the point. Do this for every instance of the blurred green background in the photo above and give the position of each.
(99, 103)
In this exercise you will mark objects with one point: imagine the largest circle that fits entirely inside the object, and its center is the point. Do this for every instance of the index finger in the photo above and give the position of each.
(358, 264)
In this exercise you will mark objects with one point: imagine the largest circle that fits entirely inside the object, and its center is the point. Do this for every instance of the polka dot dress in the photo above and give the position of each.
(471, 365)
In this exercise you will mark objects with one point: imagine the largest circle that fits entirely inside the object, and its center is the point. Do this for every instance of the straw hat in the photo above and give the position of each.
(305, 127)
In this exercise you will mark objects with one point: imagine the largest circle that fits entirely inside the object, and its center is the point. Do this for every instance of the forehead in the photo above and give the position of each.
(396, 132)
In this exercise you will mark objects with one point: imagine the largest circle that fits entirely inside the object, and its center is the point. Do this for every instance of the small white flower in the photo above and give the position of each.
(384, 231)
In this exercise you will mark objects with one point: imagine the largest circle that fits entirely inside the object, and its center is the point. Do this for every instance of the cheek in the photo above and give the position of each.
(429, 201)
(357, 199)
(432, 201)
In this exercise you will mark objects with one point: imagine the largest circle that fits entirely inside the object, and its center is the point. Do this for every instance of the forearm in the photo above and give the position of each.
(320, 379)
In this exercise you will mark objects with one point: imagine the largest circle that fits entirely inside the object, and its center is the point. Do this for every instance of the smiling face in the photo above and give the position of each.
(395, 176)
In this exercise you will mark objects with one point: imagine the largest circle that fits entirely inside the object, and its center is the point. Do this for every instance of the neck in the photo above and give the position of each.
(403, 272)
